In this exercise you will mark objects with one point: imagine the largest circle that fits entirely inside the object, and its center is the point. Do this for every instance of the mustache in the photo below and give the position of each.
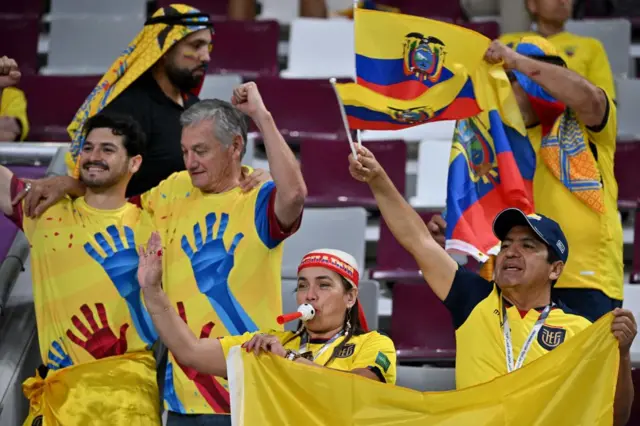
(96, 164)
(202, 67)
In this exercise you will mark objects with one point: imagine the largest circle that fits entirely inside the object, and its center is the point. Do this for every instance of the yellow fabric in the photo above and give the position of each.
(563, 388)
(175, 208)
(595, 259)
(144, 51)
(480, 354)
(69, 285)
(584, 55)
(370, 350)
(83, 394)
(13, 103)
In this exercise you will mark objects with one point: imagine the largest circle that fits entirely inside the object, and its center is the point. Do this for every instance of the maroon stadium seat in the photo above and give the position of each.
(490, 29)
(19, 37)
(53, 102)
(421, 326)
(22, 8)
(303, 108)
(635, 263)
(449, 11)
(394, 263)
(212, 7)
(7, 229)
(326, 172)
(626, 171)
(248, 48)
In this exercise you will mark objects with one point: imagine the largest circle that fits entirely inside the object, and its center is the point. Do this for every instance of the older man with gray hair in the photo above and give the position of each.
(223, 250)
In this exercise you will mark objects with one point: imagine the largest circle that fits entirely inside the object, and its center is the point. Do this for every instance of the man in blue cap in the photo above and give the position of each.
(503, 324)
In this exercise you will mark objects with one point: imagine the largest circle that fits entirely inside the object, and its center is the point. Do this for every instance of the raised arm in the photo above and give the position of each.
(291, 190)
(587, 100)
(205, 355)
(438, 268)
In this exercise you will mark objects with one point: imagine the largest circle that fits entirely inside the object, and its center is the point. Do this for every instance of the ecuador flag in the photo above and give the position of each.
(410, 70)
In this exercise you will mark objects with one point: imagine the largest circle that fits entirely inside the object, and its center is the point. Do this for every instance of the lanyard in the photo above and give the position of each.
(304, 341)
(527, 344)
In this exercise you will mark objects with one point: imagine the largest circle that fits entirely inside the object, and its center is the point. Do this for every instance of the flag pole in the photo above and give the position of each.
(343, 113)
(355, 7)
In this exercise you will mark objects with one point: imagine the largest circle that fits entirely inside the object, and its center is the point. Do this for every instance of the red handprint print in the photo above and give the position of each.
(213, 392)
(101, 342)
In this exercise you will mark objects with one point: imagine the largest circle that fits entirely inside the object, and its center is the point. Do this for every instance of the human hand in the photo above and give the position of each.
(150, 263)
(498, 52)
(9, 72)
(364, 167)
(624, 329)
(253, 180)
(247, 99)
(437, 228)
(266, 343)
(40, 194)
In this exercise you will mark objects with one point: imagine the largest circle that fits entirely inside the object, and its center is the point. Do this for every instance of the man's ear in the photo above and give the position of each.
(134, 163)
(556, 269)
(238, 147)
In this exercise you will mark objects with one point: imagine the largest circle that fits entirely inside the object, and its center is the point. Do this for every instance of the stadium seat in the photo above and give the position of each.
(19, 35)
(248, 48)
(303, 108)
(433, 171)
(7, 229)
(326, 172)
(393, 262)
(421, 326)
(449, 11)
(61, 8)
(628, 97)
(368, 295)
(321, 48)
(22, 8)
(50, 114)
(615, 36)
(90, 44)
(284, 11)
(626, 172)
(425, 378)
(490, 29)
(635, 265)
(213, 8)
(338, 228)
(219, 86)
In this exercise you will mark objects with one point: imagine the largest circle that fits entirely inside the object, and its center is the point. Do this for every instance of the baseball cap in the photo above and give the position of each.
(341, 263)
(547, 229)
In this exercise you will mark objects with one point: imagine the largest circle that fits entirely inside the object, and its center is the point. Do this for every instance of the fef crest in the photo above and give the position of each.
(551, 337)
(423, 57)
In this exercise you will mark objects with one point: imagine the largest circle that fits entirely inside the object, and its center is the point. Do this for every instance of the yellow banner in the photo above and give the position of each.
(574, 384)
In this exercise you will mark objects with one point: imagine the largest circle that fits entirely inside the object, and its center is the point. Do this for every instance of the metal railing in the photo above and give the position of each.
(35, 154)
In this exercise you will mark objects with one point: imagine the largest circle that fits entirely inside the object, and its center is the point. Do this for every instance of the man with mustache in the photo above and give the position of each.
(511, 321)
(155, 79)
(94, 332)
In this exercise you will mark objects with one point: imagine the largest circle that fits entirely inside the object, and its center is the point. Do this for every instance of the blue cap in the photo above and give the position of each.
(547, 229)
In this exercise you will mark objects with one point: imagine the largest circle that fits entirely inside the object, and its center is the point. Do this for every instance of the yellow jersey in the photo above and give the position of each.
(596, 239)
(87, 299)
(13, 103)
(371, 350)
(475, 305)
(584, 55)
(222, 262)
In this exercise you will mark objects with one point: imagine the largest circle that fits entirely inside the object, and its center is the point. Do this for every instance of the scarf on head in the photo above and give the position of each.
(564, 148)
(164, 29)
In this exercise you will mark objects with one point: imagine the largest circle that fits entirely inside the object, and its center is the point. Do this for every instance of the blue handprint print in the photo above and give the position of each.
(61, 359)
(211, 264)
(121, 266)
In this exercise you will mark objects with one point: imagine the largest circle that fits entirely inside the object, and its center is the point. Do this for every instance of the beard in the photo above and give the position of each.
(183, 78)
(104, 180)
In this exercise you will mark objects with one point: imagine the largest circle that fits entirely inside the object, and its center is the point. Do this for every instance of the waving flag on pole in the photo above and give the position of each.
(415, 71)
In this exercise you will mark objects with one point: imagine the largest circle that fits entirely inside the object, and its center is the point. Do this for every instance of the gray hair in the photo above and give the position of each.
(228, 121)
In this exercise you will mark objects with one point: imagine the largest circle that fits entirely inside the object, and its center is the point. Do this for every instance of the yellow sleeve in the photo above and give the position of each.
(14, 104)
(599, 70)
(377, 352)
(604, 136)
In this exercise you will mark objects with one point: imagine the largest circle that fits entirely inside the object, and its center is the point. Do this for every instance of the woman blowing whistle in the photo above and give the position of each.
(336, 336)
